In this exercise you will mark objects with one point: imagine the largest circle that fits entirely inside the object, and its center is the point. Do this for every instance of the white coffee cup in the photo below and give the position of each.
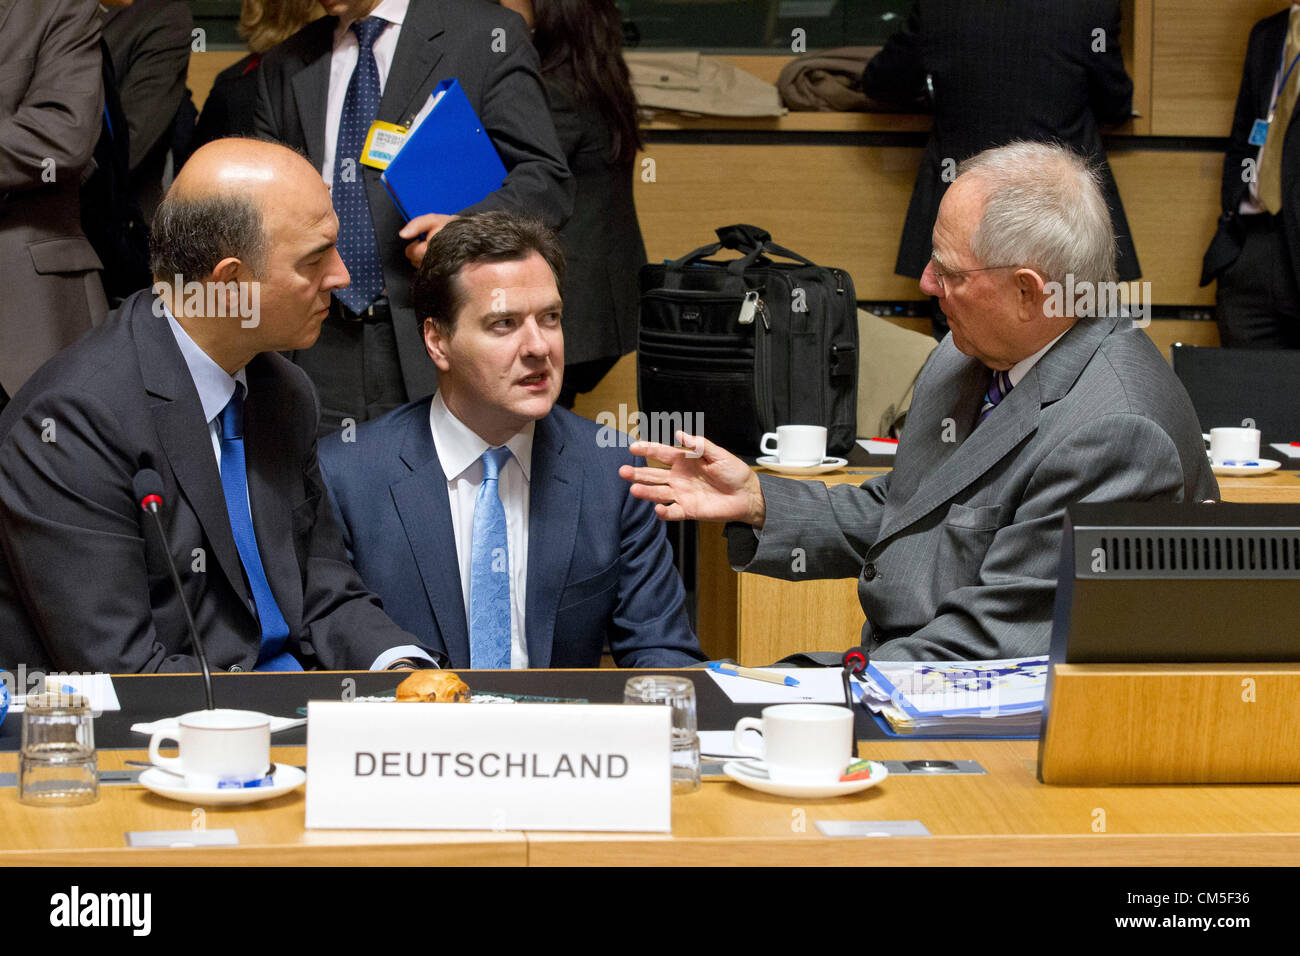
(1234, 445)
(218, 748)
(812, 742)
(796, 444)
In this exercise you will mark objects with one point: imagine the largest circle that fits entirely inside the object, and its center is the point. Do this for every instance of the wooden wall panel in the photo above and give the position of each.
(1196, 58)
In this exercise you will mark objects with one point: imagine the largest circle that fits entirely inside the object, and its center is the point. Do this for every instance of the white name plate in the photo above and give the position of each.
(411, 766)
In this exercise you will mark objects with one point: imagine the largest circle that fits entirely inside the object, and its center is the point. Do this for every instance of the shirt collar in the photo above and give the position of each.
(214, 384)
(394, 11)
(1021, 368)
(458, 446)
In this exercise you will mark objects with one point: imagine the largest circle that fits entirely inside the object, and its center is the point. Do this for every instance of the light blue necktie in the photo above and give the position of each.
(234, 482)
(489, 573)
(357, 244)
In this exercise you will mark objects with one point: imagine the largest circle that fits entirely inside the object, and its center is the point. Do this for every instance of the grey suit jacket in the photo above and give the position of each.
(956, 549)
(51, 99)
(440, 39)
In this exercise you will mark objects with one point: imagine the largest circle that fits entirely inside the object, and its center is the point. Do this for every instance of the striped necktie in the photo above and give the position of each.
(999, 387)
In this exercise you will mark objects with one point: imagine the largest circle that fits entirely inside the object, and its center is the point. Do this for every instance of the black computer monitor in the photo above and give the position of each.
(1147, 582)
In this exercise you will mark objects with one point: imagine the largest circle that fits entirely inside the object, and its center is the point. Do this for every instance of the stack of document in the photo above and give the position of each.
(958, 698)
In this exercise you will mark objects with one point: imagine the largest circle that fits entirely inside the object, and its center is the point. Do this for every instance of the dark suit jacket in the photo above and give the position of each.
(150, 42)
(1263, 53)
(956, 549)
(603, 249)
(51, 97)
(84, 585)
(1017, 69)
(440, 39)
(231, 106)
(599, 565)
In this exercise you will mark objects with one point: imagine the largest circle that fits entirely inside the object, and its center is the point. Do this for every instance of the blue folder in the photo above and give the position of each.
(448, 163)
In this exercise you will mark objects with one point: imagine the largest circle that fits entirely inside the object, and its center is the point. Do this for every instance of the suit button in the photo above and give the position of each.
(235, 669)
(869, 572)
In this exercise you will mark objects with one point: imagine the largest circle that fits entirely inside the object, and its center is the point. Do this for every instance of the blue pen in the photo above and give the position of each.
(752, 674)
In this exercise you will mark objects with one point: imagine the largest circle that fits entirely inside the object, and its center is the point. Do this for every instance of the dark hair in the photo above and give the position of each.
(191, 235)
(582, 41)
(494, 236)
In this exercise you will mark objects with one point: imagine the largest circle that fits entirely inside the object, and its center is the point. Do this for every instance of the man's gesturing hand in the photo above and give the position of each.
(702, 482)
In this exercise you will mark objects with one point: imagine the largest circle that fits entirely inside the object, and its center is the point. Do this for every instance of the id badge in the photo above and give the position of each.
(1259, 132)
(383, 142)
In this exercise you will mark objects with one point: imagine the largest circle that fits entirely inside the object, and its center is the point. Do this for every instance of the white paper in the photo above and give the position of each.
(450, 767)
(721, 743)
(1291, 451)
(820, 685)
(97, 688)
(875, 446)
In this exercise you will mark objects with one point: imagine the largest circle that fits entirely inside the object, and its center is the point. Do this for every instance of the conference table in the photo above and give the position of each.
(757, 620)
(1000, 816)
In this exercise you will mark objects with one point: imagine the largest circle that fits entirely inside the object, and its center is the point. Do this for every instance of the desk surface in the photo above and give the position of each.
(1003, 817)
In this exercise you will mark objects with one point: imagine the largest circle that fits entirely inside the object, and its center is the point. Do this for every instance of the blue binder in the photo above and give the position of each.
(448, 163)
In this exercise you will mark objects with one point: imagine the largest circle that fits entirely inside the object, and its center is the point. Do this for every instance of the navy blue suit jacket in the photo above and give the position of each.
(599, 565)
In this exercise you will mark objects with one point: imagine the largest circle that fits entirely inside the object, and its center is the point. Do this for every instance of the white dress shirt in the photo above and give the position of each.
(460, 452)
(343, 60)
(1021, 368)
(215, 387)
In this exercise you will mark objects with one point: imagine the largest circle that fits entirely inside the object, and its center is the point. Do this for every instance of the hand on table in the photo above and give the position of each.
(420, 230)
(702, 482)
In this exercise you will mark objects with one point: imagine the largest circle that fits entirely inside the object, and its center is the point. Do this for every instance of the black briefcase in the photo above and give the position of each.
(744, 345)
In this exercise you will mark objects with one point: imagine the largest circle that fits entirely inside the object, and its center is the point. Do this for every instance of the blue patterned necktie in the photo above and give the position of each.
(234, 482)
(489, 574)
(998, 388)
(357, 244)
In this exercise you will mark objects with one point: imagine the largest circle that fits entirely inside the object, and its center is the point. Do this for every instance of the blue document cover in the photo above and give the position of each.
(448, 161)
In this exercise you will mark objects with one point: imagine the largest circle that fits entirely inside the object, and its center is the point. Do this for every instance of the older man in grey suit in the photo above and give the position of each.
(51, 98)
(1025, 408)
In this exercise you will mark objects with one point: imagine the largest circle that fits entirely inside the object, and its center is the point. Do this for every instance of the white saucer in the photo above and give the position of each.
(1261, 466)
(753, 774)
(169, 723)
(772, 463)
(168, 785)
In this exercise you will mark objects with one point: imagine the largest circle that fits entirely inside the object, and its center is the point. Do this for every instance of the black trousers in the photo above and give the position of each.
(1257, 298)
(355, 368)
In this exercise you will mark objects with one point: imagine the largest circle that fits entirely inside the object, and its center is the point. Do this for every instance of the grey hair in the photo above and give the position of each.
(1044, 208)
(191, 235)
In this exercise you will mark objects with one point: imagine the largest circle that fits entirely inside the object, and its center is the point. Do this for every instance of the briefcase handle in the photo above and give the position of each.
(744, 237)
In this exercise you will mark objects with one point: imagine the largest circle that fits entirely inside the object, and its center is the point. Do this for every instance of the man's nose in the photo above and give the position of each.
(929, 284)
(337, 277)
(535, 343)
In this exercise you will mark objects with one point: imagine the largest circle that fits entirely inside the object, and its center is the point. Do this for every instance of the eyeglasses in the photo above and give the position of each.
(940, 276)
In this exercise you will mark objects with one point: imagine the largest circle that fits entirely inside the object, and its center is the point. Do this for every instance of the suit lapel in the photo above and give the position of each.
(184, 436)
(311, 89)
(416, 56)
(945, 474)
(273, 483)
(425, 512)
(555, 501)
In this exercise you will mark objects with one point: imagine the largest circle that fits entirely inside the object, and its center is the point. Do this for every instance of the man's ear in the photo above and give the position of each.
(225, 278)
(1029, 294)
(435, 343)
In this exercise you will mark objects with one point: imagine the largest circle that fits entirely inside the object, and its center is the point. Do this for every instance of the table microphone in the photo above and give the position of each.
(148, 486)
(854, 662)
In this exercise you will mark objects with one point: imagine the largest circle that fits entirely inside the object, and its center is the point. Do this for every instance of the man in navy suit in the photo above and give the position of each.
(492, 524)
